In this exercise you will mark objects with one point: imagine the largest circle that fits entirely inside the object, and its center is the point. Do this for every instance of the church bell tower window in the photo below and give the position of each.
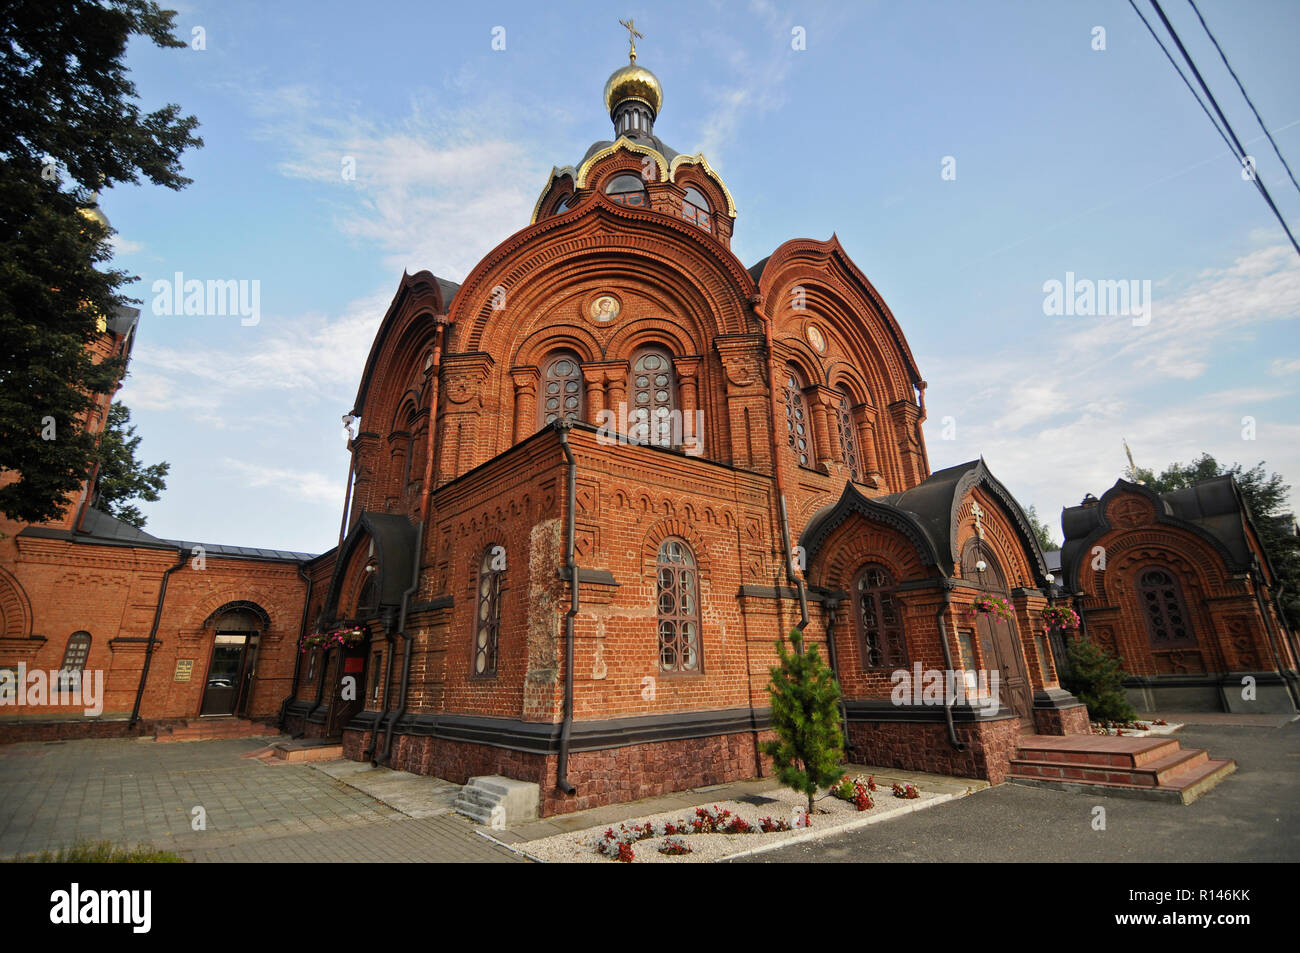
(628, 190)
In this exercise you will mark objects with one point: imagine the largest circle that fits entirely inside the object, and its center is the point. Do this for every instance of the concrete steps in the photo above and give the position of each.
(208, 729)
(1153, 768)
(498, 802)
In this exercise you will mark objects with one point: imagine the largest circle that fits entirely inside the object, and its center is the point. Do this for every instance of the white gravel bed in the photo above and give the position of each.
(580, 846)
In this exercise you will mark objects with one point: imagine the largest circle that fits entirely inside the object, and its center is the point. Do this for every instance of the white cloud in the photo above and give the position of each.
(308, 485)
(436, 190)
(124, 246)
(1052, 426)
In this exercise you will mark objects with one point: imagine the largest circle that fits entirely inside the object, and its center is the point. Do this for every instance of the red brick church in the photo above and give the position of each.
(591, 485)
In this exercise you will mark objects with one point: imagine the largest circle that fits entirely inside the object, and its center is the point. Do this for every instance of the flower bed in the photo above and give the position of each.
(717, 830)
(1134, 729)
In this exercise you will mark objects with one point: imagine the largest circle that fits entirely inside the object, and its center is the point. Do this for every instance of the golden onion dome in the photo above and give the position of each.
(93, 214)
(633, 82)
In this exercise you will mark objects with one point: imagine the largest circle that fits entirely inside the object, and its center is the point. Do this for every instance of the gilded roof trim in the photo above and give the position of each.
(703, 163)
(622, 142)
(556, 173)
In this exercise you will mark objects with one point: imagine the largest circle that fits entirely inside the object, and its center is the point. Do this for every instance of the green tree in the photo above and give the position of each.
(1041, 531)
(1266, 497)
(70, 127)
(121, 476)
(1096, 678)
(808, 752)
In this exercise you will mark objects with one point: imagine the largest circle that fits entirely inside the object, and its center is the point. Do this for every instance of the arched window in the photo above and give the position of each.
(561, 389)
(848, 438)
(414, 452)
(652, 389)
(628, 190)
(695, 209)
(880, 623)
(487, 624)
(368, 600)
(1161, 601)
(562, 205)
(76, 653)
(798, 432)
(679, 608)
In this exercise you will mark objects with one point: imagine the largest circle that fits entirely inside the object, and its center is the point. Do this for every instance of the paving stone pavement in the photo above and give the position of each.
(131, 791)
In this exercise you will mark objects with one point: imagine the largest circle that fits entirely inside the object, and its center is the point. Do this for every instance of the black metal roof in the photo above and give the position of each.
(653, 141)
(100, 528)
(1213, 509)
(927, 514)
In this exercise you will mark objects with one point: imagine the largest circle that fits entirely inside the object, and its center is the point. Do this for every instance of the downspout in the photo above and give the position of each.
(426, 491)
(153, 632)
(947, 661)
(347, 495)
(406, 644)
(796, 581)
(388, 681)
(1269, 633)
(570, 531)
(434, 372)
(85, 503)
(832, 608)
(297, 658)
(1286, 628)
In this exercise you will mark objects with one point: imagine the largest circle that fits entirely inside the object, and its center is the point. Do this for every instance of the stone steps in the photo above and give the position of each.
(1155, 768)
(498, 802)
(210, 729)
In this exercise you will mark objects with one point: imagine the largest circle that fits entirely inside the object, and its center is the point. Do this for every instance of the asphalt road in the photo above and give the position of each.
(1252, 816)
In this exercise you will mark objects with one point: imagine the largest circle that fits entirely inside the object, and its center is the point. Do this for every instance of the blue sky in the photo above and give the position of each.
(1067, 159)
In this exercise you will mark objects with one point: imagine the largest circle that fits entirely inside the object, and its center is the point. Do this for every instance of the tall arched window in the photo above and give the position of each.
(1161, 601)
(414, 452)
(679, 608)
(628, 190)
(487, 623)
(880, 623)
(695, 209)
(76, 653)
(848, 438)
(652, 390)
(561, 389)
(798, 431)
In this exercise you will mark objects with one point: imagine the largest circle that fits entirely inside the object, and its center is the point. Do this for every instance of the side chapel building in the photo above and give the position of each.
(590, 487)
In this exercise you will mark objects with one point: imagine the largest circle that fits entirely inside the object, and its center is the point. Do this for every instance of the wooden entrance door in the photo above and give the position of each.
(1000, 640)
(349, 689)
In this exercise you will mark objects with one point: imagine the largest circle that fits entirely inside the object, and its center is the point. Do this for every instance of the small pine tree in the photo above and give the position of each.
(1097, 679)
(808, 751)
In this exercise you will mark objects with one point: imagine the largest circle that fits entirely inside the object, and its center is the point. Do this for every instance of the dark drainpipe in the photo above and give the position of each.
(947, 660)
(298, 652)
(570, 564)
(388, 681)
(153, 632)
(406, 644)
(794, 579)
(832, 612)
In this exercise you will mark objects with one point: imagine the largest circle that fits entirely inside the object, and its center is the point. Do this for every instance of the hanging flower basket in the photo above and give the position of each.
(1059, 617)
(310, 641)
(344, 637)
(991, 606)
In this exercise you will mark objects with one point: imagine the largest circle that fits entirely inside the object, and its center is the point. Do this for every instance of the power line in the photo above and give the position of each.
(1239, 152)
(1223, 56)
(1190, 88)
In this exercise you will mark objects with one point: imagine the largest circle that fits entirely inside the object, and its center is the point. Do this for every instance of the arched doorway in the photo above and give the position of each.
(999, 639)
(236, 631)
